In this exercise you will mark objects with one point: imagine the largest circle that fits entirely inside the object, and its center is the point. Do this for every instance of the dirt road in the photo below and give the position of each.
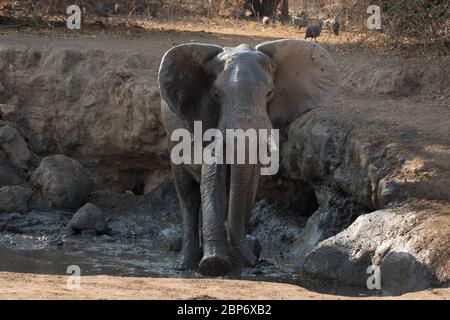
(32, 286)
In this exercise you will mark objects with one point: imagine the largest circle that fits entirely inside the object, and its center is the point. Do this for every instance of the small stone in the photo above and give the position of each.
(89, 217)
(106, 238)
(7, 134)
(388, 191)
(14, 199)
(171, 238)
(88, 233)
(8, 112)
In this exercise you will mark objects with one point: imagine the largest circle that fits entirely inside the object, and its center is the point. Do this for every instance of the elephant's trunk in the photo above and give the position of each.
(243, 185)
(213, 190)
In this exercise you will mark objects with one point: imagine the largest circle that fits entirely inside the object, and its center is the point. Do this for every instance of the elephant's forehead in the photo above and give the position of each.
(243, 54)
(238, 49)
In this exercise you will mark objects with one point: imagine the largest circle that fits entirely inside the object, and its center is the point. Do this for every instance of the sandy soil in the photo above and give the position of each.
(32, 286)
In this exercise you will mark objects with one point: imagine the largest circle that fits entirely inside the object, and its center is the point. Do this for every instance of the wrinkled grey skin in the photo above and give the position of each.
(231, 88)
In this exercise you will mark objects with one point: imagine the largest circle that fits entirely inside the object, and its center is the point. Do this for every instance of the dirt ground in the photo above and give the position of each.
(32, 286)
(15, 285)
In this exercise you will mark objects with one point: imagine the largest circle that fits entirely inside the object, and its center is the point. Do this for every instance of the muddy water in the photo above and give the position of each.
(136, 258)
(123, 256)
(39, 243)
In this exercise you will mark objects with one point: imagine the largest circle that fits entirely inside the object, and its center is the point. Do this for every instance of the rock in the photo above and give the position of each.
(8, 112)
(15, 146)
(316, 229)
(254, 245)
(89, 217)
(88, 233)
(115, 121)
(14, 199)
(170, 238)
(402, 272)
(334, 216)
(9, 176)
(64, 183)
(410, 247)
(7, 134)
(276, 228)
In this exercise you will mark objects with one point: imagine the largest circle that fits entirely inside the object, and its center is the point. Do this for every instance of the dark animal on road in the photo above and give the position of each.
(142, 7)
(314, 30)
(118, 9)
(335, 27)
(154, 10)
(103, 9)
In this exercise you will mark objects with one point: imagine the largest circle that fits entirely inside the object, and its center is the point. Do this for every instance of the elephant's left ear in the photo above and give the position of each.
(183, 81)
(306, 77)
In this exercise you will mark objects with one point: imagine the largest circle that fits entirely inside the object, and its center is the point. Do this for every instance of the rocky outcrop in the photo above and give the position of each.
(393, 174)
(63, 182)
(109, 119)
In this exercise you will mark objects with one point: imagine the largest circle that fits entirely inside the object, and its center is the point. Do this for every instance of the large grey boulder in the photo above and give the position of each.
(15, 199)
(15, 146)
(410, 248)
(89, 217)
(63, 182)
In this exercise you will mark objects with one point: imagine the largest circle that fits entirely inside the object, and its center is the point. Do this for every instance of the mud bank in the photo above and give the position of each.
(363, 182)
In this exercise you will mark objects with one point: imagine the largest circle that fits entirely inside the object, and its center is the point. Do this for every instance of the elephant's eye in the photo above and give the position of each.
(215, 93)
(270, 95)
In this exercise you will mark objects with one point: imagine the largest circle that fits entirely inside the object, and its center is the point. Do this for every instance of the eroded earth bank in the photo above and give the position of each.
(84, 176)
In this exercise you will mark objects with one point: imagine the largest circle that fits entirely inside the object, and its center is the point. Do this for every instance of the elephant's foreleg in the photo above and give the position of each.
(213, 193)
(188, 191)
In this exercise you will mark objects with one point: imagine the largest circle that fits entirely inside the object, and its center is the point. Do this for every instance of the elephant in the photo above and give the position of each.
(266, 86)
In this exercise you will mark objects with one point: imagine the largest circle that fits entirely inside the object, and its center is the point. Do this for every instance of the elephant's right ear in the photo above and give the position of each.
(306, 77)
(183, 81)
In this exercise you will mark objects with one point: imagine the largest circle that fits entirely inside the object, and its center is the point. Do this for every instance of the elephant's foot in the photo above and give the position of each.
(214, 263)
(189, 259)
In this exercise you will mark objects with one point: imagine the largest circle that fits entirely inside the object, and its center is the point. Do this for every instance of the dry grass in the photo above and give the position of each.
(411, 26)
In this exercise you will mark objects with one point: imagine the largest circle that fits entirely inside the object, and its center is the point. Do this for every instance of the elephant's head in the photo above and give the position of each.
(242, 88)
(272, 84)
